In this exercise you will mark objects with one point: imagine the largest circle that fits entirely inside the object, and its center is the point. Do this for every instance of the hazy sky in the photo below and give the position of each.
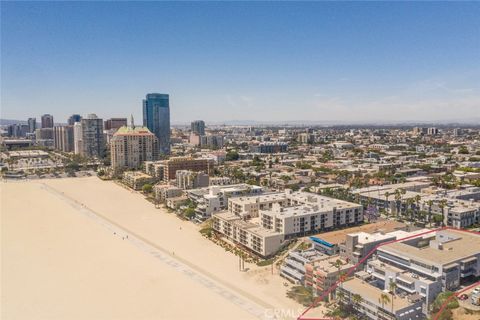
(242, 61)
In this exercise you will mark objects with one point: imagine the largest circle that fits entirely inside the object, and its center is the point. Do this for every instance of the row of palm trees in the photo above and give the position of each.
(413, 206)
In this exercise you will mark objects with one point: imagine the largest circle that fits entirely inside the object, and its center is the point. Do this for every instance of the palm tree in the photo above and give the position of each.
(339, 296)
(430, 204)
(392, 286)
(442, 205)
(410, 202)
(338, 264)
(417, 203)
(383, 299)
(357, 299)
(398, 199)
(387, 204)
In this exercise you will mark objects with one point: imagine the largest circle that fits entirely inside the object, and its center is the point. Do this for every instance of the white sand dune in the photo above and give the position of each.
(60, 263)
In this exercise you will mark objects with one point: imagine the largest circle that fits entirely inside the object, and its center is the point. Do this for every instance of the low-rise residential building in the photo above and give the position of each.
(269, 147)
(294, 214)
(186, 179)
(294, 265)
(155, 169)
(185, 163)
(136, 179)
(220, 181)
(215, 198)
(374, 307)
(248, 235)
(164, 192)
(321, 274)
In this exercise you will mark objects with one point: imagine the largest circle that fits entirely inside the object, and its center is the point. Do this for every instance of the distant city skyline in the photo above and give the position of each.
(263, 62)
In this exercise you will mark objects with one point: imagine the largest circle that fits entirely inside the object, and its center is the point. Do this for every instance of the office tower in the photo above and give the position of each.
(156, 117)
(77, 137)
(17, 130)
(63, 138)
(74, 118)
(92, 137)
(47, 121)
(44, 134)
(198, 127)
(115, 123)
(32, 125)
(131, 146)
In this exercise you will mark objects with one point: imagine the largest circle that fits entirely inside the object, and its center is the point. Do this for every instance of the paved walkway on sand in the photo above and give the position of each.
(243, 299)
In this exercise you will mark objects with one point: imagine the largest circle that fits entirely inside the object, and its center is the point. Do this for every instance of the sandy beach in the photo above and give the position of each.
(66, 255)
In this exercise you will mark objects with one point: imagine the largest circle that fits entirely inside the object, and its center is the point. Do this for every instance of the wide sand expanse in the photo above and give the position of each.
(59, 262)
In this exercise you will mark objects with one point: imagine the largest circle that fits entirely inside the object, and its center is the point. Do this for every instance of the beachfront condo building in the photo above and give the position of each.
(289, 214)
(131, 146)
(77, 137)
(215, 198)
(93, 144)
(63, 138)
(156, 117)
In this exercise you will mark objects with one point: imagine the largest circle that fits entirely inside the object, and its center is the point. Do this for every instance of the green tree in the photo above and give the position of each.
(232, 155)
(147, 188)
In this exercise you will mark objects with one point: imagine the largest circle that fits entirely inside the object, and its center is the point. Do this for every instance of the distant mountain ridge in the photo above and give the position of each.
(454, 122)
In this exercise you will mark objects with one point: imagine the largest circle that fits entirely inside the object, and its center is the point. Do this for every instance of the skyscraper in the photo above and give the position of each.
(156, 117)
(92, 137)
(32, 125)
(63, 138)
(74, 118)
(77, 138)
(198, 127)
(47, 121)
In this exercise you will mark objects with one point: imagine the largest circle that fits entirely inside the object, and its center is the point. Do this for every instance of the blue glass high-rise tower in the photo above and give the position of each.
(156, 117)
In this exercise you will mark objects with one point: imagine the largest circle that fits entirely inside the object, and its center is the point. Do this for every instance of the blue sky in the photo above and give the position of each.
(243, 61)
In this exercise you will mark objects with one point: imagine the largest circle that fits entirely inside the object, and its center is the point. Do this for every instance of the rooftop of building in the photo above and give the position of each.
(129, 130)
(372, 294)
(464, 245)
(364, 237)
(338, 236)
(251, 227)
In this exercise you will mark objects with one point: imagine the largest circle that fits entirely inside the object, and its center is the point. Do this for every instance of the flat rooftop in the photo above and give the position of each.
(466, 245)
(338, 236)
(372, 294)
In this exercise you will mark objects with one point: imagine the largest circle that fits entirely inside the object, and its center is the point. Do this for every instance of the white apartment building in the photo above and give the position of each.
(163, 192)
(215, 198)
(77, 137)
(426, 265)
(289, 214)
(186, 179)
(248, 235)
